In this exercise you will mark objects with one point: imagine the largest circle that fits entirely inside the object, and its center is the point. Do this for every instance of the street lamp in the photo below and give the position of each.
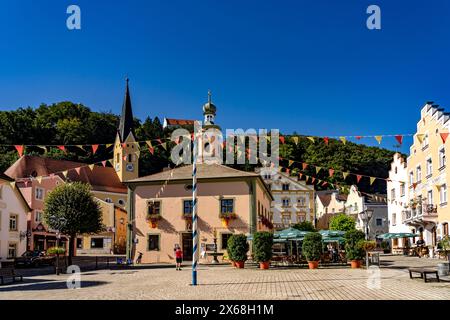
(58, 223)
(366, 216)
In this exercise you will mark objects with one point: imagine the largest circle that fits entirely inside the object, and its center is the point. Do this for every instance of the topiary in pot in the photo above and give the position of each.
(312, 249)
(354, 250)
(262, 248)
(237, 247)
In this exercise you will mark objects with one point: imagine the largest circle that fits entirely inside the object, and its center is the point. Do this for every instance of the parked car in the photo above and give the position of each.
(34, 259)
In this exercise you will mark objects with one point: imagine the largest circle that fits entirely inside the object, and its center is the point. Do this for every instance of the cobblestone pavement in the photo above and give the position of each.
(224, 282)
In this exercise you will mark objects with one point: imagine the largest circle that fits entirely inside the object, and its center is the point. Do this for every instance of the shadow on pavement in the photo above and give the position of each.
(37, 286)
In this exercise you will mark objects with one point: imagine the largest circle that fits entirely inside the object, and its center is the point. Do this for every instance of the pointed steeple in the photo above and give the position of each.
(126, 120)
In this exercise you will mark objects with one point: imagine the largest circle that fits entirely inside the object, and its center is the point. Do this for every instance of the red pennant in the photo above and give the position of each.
(304, 166)
(104, 163)
(444, 136)
(282, 139)
(300, 175)
(94, 148)
(399, 139)
(62, 148)
(331, 172)
(287, 171)
(324, 184)
(78, 170)
(414, 185)
(124, 158)
(326, 140)
(124, 145)
(19, 149)
(358, 137)
(159, 140)
(358, 177)
(152, 150)
(313, 179)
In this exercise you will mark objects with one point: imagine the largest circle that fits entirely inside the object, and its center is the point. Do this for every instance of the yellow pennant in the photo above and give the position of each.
(111, 161)
(149, 143)
(318, 169)
(81, 147)
(311, 139)
(420, 137)
(43, 148)
(91, 166)
(164, 145)
(378, 138)
(291, 162)
(343, 139)
(65, 173)
(372, 180)
(108, 145)
(13, 184)
(295, 140)
(345, 174)
(39, 179)
(438, 187)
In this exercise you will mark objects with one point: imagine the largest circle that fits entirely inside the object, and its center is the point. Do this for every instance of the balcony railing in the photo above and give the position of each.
(431, 209)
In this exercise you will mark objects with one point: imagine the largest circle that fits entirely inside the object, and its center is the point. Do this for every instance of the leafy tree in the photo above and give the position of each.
(342, 222)
(262, 246)
(304, 226)
(354, 245)
(71, 209)
(312, 246)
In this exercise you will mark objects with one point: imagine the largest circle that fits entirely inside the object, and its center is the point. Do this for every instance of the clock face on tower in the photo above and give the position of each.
(130, 167)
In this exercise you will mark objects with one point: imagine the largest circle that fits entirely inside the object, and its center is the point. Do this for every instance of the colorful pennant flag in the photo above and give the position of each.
(318, 169)
(399, 139)
(304, 166)
(65, 173)
(372, 180)
(378, 138)
(420, 137)
(108, 145)
(62, 148)
(295, 140)
(94, 148)
(326, 140)
(12, 184)
(104, 163)
(19, 149)
(290, 162)
(358, 177)
(78, 170)
(282, 139)
(81, 147)
(345, 174)
(358, 137)
(444, 136)
(91, 166)
(311, 139)
(343, 139)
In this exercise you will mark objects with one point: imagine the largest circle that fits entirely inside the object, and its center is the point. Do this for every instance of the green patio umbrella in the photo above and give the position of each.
(292, 233)
(331, 233)
(391, 235)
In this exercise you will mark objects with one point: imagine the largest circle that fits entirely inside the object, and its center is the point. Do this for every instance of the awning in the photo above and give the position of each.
(291, 233)
(331, 233)
(391, 235)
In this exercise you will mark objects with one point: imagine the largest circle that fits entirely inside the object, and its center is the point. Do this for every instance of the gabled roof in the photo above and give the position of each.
(178, 122)
(17, 191)
(325, 196)
(100, 178)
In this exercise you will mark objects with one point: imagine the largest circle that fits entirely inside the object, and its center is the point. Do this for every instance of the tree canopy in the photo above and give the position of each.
(304, 226)
(342, 222)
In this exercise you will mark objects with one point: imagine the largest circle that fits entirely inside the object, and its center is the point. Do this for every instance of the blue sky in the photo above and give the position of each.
(306, 66)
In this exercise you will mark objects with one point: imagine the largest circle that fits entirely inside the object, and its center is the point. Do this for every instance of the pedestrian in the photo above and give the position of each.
(178, 257)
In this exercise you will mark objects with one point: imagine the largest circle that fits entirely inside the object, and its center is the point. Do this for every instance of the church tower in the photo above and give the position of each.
(210, 141)
(126, 149)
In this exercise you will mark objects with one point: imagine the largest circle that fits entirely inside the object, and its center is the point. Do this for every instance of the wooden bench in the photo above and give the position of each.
(423, 273)
(9, 273)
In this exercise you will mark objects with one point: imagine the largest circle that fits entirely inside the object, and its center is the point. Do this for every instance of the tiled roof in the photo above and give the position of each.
(100, 178)
(5, 177)
(204, 171)
(179, 122)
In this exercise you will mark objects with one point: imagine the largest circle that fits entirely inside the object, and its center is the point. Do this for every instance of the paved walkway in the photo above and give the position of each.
(224, 282)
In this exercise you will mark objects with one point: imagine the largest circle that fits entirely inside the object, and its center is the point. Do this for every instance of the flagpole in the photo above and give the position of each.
(194, 211)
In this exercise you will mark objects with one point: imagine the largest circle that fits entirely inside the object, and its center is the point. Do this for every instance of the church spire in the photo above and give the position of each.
(126, 120)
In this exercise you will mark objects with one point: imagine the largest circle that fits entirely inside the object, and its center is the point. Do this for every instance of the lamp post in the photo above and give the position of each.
(366, 216)
(58, 223)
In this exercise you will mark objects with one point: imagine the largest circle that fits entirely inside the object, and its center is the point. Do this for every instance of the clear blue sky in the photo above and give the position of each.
(306, 66)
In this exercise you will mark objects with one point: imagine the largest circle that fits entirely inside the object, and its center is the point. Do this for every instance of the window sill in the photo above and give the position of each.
(429, 176)
(425, 147)
(443, 204)
(442, 168)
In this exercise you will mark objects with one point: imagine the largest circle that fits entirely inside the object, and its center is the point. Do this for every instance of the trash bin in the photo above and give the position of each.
(443, 269)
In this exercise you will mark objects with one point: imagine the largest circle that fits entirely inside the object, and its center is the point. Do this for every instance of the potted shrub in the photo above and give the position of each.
(312, 249)
(354, 247)
(385, 246)
(262, 248)
(237, 247)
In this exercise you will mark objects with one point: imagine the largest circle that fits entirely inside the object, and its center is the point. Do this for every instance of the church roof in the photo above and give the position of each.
(100, 178)
(126, 119)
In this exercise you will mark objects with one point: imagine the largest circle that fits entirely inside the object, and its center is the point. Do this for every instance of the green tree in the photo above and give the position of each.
(304, 226)
(71, 209)
(342, 222)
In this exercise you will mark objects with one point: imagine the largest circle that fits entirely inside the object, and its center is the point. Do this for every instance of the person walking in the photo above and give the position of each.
(178, 257)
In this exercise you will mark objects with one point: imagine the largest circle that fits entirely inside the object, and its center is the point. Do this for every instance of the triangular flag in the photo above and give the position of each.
(65, 173)
(343, 139)
(304, 166)
(111, 161)
(152, 150)
(324, 184)
(124, 145)
(372, 180)
(164, 145)
(287, 171)
(325, 139)
(19, 149)
(414, 185)
(62, 148)
(124, 158)
(313, 179)
(78, 170)
(104, 163)
(149, 143)
(358, 177)
(290, 162)
(444, 136)
(108, 145)
(13, 184)
(399, 138)
(295, 140)
(358, 137)
(43, 148)
(81, 147)
(378, 138)
(318, 169)
(26, 183)
(300, 175)
(420, 137)
(39, 179)
(311, 139)
(331, 172)
(345, 174)
(282, 139)
(91, 166)
(94, 148)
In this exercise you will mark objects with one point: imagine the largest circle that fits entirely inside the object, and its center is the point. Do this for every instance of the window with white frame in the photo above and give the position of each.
(425, 141)
(393, 194)
(39, 194)
(13, 223)
(12, 250)
(430, 197)
(285, 202)
(38, 216)
(429, 167)
(394, 219)
(419, 174)
(402, 189)
(443, 194)
(442, 159)
(411, 178)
